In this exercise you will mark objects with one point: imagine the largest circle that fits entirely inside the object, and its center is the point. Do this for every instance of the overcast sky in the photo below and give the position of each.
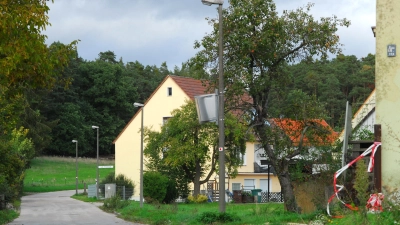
(154, 31)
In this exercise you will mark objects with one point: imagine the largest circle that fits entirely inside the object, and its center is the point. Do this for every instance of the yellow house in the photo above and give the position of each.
(169, 95)
(387, 84)
(252, 174)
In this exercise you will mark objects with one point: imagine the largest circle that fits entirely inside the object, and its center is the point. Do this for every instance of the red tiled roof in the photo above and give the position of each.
(190, 86)
(294, 128)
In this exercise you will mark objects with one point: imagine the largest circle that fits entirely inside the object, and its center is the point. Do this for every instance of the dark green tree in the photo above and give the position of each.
(335, 81)
(26, 63)
(258, 44)
(187, 149)
(145, 78)
(101, 93)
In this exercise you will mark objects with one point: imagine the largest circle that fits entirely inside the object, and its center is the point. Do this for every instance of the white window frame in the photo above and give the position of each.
(249, 187)
(235, 184)
(165, 119)
(243, 159)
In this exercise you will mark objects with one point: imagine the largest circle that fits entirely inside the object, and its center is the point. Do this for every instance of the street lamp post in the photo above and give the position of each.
(141, 154)
(76, 166)
(221, 124)
(97, 175)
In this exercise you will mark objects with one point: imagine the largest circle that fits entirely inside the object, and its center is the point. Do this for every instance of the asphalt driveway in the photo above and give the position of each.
(58, 208)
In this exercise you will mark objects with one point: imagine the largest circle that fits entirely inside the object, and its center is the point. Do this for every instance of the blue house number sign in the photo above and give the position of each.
(391, 50)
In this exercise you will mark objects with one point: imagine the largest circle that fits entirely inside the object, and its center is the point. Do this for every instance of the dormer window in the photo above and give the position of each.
(169, 91)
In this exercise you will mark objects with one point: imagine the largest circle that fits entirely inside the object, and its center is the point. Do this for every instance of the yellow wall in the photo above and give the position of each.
(388, 89)
(275, 186)
(127, 146)
(248, 166)
(246, 171)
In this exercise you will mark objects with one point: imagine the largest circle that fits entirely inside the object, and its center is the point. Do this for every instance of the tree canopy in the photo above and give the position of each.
(101, 93)
(258, 45)
(187, 150)
(26, 63)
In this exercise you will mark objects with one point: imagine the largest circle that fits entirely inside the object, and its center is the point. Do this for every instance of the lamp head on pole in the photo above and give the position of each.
(212, 2)
(74, 141)
(136, 104)
(95, 127)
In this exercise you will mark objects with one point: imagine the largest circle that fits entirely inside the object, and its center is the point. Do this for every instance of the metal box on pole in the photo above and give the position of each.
(207, 107)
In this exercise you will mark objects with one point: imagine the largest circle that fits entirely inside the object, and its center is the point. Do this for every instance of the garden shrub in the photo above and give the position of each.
(154, 186)
(120, 180)
(172, 192)
(115, 202)
(213, 217)
(197, 199)
(361, 184)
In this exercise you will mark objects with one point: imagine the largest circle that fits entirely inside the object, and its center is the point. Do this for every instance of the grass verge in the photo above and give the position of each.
(48, 174)
(84, 198)
(183, 213)
(7, 216)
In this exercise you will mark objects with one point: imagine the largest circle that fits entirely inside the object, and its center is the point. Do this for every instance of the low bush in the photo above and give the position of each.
(197, 199)
(213, 217)
(114, 203)
(172, 192)
(154, 187)
(120, 180)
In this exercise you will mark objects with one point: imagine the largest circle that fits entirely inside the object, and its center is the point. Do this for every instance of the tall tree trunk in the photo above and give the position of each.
(196, 182)
(288, 193)
(282, 170)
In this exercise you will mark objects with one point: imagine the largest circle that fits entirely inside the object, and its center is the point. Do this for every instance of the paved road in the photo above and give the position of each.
(58, 208)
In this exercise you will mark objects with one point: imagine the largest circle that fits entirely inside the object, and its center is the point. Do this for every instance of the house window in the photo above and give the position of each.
(165, 120)
(242, 158)
(259, 152)
(236, 186)
(169, 91)
(249, 184)
(258, 148)
(265, 185)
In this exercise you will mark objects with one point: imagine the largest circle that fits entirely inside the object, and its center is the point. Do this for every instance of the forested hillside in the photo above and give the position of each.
(335, 81)
(102, 93)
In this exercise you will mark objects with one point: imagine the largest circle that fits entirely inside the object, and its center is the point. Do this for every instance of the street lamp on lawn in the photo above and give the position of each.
(221, 124)
(141, 154)
(97, 169)
(76, 165)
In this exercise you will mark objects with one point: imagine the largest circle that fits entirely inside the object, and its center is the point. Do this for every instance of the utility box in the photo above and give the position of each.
(92, 190)
(110, 190)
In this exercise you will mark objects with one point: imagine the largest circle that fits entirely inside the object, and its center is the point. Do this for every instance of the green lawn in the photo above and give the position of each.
(58, 173)
(265, 213)
(7, 216)
(54, 173)
(183, 213)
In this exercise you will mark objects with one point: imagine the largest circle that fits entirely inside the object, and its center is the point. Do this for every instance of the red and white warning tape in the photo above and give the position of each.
(372, 149)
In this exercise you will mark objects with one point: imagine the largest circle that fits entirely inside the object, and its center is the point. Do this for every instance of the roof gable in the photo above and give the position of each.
(365, 110)
(190, 86)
